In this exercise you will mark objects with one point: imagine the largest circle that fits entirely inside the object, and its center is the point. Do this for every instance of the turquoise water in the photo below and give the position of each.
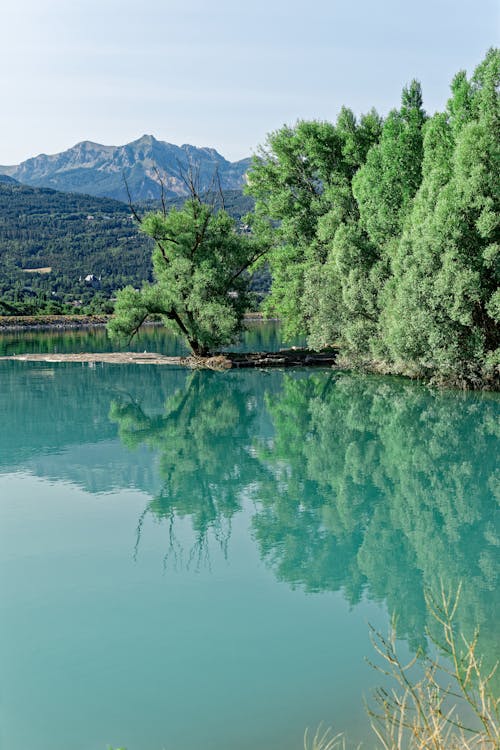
(259, 336)
(191, 560)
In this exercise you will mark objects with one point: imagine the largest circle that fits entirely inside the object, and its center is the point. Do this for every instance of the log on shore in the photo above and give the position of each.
(294, 357)
(283, 358)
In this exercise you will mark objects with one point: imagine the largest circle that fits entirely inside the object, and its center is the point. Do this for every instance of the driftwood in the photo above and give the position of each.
(284, 358)
(294, 357)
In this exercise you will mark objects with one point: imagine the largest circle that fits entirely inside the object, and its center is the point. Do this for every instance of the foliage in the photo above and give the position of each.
(441, 311)
(301, 181)
(365, 177)
(386, 236)
(385, 185)
(201, 289)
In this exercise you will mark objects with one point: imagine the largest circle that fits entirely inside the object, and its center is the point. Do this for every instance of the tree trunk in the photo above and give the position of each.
(198, 349)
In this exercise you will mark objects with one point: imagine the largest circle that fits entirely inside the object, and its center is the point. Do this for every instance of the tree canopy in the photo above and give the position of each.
(201, 289)
(381, 235)
(441, 307)
(385, 234)
(301, 181)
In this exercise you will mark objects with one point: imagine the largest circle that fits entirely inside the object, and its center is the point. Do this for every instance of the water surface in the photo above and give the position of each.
(190, 560)
(259, 336)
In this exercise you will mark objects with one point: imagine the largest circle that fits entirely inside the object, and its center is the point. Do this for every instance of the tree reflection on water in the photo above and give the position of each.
(203, 438)
(376, 487)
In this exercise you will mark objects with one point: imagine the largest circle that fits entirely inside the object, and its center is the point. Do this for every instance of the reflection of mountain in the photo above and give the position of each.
(99, 467)
(54, 422)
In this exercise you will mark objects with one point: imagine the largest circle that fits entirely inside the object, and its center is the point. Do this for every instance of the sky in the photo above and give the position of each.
(220, 73)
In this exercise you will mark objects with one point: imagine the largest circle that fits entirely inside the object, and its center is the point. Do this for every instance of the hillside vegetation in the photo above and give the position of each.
(51, 241)
(70, 237)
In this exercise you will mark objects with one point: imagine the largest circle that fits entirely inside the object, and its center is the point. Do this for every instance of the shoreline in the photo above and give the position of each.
(10, 323)
(14, 323)
(293, 357)
(283, 358)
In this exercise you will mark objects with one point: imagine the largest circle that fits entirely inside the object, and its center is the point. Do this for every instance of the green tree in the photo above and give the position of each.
(301, 181)
(385, 185)
(199, 265)
(342, 294)
(442, 307)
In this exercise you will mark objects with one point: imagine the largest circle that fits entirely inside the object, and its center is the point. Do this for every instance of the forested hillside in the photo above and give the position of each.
(68, 237)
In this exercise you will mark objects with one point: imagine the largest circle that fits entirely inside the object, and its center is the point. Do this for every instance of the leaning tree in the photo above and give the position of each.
(200, 264)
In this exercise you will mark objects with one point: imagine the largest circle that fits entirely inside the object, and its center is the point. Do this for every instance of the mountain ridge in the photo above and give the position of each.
(106, 171)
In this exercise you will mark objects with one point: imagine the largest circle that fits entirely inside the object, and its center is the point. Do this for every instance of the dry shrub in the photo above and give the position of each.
(448, 706)
(432, 705)
(324, 740)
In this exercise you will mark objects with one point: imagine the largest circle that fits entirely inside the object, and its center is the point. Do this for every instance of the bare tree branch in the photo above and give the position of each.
(200, 236)
(249, 263)
(191, 179)
(130, 204)
(221, 194)
(162, 184)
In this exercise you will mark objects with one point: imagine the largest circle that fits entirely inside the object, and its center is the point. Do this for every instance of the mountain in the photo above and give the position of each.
(99, 170)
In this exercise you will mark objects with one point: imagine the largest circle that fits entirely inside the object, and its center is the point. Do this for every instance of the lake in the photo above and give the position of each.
(191, 559)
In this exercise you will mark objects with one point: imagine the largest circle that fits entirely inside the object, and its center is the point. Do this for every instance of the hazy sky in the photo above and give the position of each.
(220, 73)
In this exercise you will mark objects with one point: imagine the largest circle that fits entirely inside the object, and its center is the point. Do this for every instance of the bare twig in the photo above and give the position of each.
(162, 185)
(130, 204)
